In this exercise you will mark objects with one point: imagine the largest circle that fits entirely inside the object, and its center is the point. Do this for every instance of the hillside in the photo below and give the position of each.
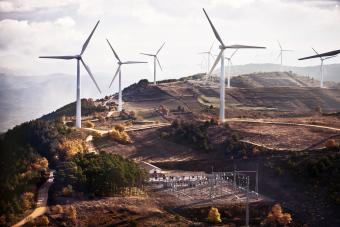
(28, 97)
(274, 79)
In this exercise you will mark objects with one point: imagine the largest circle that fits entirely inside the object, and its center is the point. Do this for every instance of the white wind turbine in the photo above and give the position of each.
(201, 65)
(120, 63)
(155, 58)
(220, 56)
(321, 66)
(79, 59)
(229, 66)
(209, 54)
(281, 51)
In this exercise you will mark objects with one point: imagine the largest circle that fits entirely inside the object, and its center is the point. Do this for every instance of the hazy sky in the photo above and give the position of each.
(30, 28)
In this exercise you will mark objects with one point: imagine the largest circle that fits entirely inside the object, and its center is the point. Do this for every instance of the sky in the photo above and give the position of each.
(30, 28)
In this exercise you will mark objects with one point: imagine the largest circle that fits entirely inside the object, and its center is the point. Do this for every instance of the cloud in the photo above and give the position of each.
(65, 22)
(30, 28)
(32, 5)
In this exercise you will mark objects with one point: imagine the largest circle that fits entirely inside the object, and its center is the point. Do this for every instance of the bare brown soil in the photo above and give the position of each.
(282, 137)
(124, 211)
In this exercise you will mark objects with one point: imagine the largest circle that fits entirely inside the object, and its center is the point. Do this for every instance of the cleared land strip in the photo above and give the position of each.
(262, 121)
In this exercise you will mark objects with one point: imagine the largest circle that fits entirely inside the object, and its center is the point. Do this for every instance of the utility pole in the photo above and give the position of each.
(257, 180)
(247, 203)
(235, 177)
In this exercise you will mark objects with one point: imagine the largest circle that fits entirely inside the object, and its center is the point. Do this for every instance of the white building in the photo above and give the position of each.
(151, 169)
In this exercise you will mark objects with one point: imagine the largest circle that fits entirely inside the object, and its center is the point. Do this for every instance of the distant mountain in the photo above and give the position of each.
(331, 72)
(23, 98)
(277, 79)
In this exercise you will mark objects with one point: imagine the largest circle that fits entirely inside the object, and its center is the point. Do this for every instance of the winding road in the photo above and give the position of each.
(41, 206)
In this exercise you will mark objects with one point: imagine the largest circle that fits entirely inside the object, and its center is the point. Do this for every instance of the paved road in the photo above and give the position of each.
(42, 207)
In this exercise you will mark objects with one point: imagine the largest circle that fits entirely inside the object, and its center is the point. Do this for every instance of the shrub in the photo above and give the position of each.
(163, 110)
(71, 147)
(27, 200)
(57, 209)
(331, 144)
(96, 135)
(164, 135)
(42, 221)
(133, 114)
(119, 127)
(72, 213)
(120, 136)
(89, 124)
(68, 190)
(3, 220)
(195, 134)
(40, 164)
(276, 216)
(214, 216)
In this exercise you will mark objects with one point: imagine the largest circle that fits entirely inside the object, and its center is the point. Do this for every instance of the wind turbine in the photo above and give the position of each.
(281, 51)
(229, 66)
(202, 64)
(321, 65)
(220, 56)
(120, 63)
(79, 59)
(209, 54)
(155, 58)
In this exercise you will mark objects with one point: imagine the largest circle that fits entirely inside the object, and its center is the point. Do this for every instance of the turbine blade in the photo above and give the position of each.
(211, 46)
(148, 54)
(160, 48)
(90, 74)
(237, 46)
(113, 50)
(330, 57)
(88, 39)
(134, 62)
(315, 51)
(214, 29)
(233, 53)
(279, 55)
(159, 64)
(114, 77)
(279, 44)
(330, 53)
(215, 63)
(59, 57)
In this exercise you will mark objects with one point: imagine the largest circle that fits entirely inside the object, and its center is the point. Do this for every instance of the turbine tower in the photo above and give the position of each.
(229, 66)
(155, 58)
(120, 63)
(79, 59)
(281, 51)
(209, 54)
(220, 56)
(322, 58)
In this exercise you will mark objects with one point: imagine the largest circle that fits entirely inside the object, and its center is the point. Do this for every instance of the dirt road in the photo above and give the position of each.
(42, 207)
